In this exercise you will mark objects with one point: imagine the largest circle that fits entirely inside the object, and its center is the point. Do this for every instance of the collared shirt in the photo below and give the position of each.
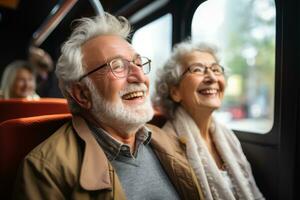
(114, 148)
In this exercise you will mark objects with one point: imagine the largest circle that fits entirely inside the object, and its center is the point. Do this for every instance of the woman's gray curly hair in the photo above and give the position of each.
(171, 72)
(69, 66)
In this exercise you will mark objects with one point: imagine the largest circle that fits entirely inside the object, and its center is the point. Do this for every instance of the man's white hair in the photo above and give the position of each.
(69, 66)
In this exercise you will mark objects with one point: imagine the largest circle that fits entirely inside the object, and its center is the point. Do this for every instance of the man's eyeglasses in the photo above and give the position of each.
(120, 67)
(201, 69)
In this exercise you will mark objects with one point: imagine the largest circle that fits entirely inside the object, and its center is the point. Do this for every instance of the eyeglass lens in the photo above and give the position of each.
(121, 67)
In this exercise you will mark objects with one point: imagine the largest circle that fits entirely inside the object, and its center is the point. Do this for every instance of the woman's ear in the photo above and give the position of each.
(175, 94)
(81, 95)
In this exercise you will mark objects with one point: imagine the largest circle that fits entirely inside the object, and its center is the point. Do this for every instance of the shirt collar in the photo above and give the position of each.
(113, 148)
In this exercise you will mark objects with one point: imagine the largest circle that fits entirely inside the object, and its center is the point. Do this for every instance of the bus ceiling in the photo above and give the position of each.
(59, 11)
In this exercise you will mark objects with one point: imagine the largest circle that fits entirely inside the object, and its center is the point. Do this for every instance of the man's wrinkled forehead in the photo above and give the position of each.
(103, 48)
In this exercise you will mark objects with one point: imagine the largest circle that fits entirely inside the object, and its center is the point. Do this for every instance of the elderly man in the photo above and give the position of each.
(107, 151)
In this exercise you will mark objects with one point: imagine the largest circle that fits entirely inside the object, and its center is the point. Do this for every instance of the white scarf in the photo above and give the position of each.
(209, 176)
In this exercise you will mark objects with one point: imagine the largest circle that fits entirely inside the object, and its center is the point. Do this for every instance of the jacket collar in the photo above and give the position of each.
(159, 141)
(94, 173)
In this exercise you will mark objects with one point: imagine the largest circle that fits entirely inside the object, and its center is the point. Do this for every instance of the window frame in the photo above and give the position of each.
(155, 64)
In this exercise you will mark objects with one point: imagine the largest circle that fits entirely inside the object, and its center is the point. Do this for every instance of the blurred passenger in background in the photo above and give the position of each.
(18, 81)
(191, 87)
(46, 81)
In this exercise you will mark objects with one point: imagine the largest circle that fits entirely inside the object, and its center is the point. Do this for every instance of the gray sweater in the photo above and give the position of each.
(143, 177)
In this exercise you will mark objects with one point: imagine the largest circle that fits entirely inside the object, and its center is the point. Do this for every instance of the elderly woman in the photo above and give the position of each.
(190, 88)
(18, 81)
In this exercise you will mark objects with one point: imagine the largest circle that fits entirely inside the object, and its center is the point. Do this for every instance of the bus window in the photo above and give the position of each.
(154, 40)
(245, 36)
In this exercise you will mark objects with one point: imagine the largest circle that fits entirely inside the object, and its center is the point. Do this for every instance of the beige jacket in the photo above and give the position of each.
(70, 164)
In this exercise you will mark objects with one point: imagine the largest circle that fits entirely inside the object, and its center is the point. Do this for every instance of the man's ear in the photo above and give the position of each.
(175, 94)
(81, 95)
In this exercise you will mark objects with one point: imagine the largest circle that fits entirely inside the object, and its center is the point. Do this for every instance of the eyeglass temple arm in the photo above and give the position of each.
(97, 68)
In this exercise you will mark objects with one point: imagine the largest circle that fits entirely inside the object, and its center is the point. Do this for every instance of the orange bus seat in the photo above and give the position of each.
(17, 138)
(17, 108)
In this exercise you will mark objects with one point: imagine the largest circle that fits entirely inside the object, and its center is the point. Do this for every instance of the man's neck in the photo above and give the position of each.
(123, 136)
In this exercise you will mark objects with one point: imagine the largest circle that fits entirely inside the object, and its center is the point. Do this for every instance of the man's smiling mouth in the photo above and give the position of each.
(134, 95)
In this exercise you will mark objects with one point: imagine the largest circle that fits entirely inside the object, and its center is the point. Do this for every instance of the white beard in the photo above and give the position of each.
(123, 118)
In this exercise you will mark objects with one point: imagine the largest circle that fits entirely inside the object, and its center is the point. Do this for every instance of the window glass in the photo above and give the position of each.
(154, 41)
(244, 31)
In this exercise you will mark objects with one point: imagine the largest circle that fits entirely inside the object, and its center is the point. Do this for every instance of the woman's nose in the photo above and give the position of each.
(209, 76)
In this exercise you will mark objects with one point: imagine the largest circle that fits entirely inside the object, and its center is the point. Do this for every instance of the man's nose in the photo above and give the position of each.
(136, 74)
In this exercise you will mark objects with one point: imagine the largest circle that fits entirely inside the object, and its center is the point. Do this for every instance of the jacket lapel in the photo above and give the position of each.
(94, 173)
(118, 192)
